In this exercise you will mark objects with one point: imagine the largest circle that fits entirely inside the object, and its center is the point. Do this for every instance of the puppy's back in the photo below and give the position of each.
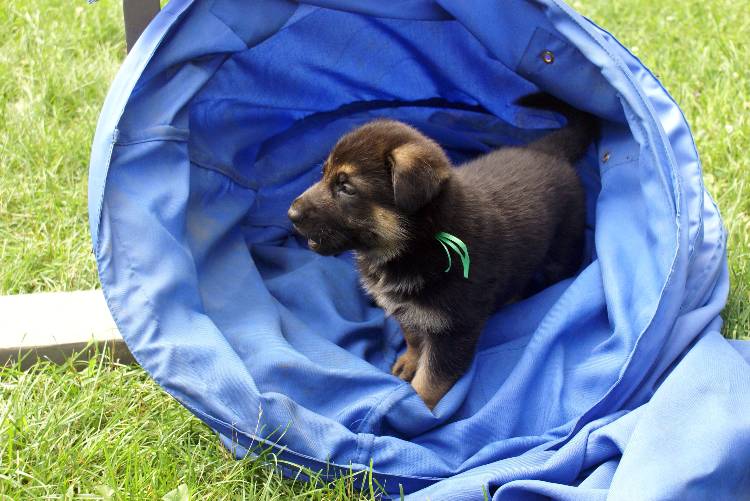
(543, 168)
(532, 197)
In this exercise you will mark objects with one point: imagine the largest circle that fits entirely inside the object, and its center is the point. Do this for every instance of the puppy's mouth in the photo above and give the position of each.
(325, 248)
(313, 244)
(310, 242)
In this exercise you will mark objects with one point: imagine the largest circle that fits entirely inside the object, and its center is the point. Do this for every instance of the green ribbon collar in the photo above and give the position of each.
(456, 245)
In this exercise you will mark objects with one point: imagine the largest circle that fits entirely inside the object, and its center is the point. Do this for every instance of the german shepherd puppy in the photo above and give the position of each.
(392, 195)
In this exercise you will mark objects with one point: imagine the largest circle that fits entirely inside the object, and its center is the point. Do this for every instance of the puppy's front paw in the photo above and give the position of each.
(405, 366)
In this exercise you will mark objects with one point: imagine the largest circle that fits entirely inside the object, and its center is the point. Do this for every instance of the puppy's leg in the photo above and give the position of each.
(406, 364)
(445, 357)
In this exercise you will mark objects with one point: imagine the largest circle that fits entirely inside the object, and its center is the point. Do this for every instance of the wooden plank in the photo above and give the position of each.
(57, 325)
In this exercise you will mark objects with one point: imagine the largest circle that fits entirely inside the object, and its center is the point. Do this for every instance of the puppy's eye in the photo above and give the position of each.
(346, 188)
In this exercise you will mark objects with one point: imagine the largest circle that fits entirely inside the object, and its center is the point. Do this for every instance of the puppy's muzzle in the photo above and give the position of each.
(298, 214)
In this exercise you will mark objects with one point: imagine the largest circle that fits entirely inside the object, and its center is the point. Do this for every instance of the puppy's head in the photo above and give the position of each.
(375, 180)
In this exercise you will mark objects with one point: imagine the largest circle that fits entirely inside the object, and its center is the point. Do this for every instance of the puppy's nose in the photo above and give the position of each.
(295, 213)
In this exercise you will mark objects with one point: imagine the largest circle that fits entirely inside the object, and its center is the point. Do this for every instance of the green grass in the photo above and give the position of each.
(109, 429)
(57, 59)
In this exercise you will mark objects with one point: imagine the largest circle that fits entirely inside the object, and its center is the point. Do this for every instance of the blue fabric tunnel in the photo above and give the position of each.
(614, 383)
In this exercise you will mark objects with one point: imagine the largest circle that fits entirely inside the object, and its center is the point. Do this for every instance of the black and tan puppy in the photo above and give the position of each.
(391, 194)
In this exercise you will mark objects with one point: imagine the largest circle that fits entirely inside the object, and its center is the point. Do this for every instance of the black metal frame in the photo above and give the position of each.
(137, 15)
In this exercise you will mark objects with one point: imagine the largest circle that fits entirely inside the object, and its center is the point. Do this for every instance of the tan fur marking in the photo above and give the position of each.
(387, 225)
(408, 154)
(406, 365)
(430, 390)
(334, 170)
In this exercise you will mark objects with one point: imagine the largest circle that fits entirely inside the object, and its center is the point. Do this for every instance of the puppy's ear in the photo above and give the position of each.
(419, 170)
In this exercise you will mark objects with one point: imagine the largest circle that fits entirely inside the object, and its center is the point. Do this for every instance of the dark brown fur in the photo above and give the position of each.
(387, 190)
